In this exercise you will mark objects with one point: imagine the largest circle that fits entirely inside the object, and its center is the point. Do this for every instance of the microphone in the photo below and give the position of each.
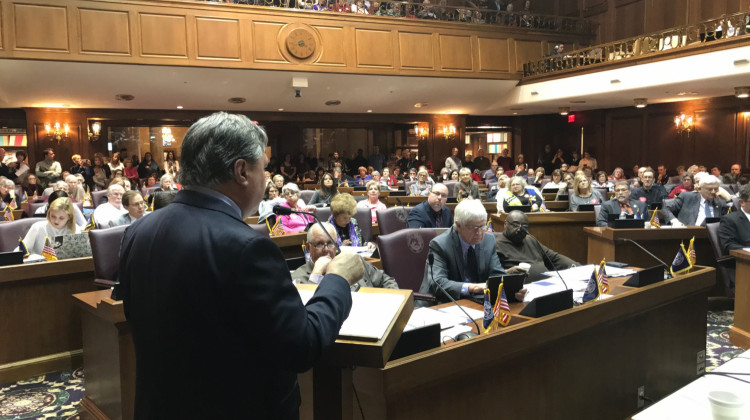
(666, 267)
(544, 255)
(398, 201)
(280, 210)
(431, 260)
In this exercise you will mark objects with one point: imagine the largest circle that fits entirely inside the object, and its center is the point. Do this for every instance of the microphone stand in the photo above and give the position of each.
(285, 211)
(545, 258)
(469, 334)
(666, 267)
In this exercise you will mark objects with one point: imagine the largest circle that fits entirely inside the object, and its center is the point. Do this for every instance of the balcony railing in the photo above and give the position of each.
(723, 28)
(444, 12)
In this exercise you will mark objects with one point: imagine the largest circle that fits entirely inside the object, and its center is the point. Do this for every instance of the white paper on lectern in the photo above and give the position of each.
(371, 313)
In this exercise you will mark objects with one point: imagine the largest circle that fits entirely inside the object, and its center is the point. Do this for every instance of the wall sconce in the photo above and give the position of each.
(684, 122)
(166, 137)
(448, 131)
(421, 132)
(54, 132)
(95, 130)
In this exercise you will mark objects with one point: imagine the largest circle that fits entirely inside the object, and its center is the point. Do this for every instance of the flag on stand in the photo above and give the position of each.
(8, 214)
(48, 252)
(502, 310)
(13, 205)
(654, 220)
(91, 225)
(22, 247)
(592, 288)
(24, 198)
(602, 279)
(682, 261)
(489, 315)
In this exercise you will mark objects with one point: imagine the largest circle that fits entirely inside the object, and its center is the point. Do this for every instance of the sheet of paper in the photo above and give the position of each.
(370, 316)
(456, 312)
(428, 316)
(363, 251)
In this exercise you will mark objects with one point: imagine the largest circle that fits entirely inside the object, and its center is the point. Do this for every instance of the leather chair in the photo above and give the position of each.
(261, 228)
(597, 209)
(363, 217)
(604, 192)
(407, 186)
(11, 231)
(725, 263)
(403, 254)
(105, 250)
(393, 219)
(451, 185)
(306, 195)
(33, 207)
(98, 197)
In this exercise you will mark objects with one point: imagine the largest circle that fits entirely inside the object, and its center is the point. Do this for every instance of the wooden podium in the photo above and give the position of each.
(109, 359)
(739, 332)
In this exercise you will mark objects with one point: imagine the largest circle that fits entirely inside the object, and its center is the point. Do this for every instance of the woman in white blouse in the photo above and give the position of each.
(60, 221)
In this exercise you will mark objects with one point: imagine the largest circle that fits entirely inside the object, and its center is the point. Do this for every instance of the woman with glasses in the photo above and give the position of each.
(420, 188)
(519, 195)
(294, 223)
(343, 209)
(271, 197)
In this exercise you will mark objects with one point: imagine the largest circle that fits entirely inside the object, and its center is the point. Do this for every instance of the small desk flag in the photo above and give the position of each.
(22, 247)
(91, 225)
(8, 214)
(602, 279)
(48, 252)
(654, 220)
(489, 315)
(502, 310)
(592, 288)
(682, 261)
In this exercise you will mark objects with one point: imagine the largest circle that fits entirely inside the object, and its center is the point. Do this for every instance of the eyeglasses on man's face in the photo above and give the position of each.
(321, 245)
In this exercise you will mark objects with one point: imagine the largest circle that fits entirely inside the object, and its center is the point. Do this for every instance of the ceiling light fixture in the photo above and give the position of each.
(179, 106)
(742, 91)
(564, 110)
(742, 62)
(640, 102)
(333, 102)
(369, 110)
(614, 82)
(236, 100)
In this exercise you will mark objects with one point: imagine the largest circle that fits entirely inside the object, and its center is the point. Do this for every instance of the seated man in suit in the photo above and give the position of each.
(692, 208)
(432, 213)
(621, 204)
(650, 192)
(322, 251)
(515, 246)
(734, 228)
(464, 257)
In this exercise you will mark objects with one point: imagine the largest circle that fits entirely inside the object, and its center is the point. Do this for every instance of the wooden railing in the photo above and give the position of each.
(440, 11)
(734, 26)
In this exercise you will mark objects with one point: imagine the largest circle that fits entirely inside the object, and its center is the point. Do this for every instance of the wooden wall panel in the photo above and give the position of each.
(217, 38)
(163, 35)
(629, 19)
(333, 41)
(2, 45)
(455, 53)
(41, 27)
(374, 48)
(624, 142)
(527, 51)
(416, 50)
(95, 22)
(265, 42)
(493, 55)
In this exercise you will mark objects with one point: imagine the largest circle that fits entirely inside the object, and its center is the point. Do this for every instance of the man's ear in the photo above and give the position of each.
(241, 172)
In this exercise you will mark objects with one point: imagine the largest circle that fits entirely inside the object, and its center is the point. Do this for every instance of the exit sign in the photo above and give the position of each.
(571, 118)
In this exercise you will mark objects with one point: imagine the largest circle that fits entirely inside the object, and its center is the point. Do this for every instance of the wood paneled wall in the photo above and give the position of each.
(628, 136)
(235, 36)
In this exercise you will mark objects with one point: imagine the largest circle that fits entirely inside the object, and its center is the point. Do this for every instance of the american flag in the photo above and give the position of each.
(502, 310)
(8, 214)
(602, 278)
(13, 205)
(48, 252)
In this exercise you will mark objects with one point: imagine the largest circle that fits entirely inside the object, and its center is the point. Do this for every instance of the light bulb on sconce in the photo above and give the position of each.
(57, 132)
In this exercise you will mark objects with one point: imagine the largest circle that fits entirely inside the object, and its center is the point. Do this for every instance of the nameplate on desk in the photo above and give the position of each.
(646, 276)
(549, 304)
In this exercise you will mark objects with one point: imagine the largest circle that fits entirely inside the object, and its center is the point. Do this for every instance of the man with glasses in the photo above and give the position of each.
(464, 257)
(693, 208)
(322, 251)
(514, 247)
(109, 212)
(622, 204)
(651, 192)
(432, 213)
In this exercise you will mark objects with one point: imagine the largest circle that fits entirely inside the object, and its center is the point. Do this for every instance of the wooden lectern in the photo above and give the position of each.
(739, 332)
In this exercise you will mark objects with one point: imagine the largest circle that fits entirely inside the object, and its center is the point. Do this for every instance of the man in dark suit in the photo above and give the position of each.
(734, 228)
(432, 213)
(621, 204)
(464, 256)
(219, 329)
(692, 208)
(650, 192)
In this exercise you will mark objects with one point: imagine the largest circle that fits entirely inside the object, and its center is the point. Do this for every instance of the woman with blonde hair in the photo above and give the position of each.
(421, 188)
(373, 200)
(519, 195)
(583, 193)
(343, 209)
(61, 220)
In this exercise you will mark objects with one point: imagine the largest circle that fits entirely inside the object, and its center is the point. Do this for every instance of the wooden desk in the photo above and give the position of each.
(537, 369)
(739, 332)
(491, 207)
(663, 243)
(559, 231)
(41, 328)
(291, 244)
(557, 205)
(17, 214)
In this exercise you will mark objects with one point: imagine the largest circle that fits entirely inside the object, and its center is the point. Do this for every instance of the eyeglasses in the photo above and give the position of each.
(621, 190)
(518, 225)
(474, 229)
(321, 245)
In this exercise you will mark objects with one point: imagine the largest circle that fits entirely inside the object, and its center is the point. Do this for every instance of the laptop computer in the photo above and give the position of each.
(586, 207)
(72, 246)
(512, 283)
(398, 194)
(11, 258)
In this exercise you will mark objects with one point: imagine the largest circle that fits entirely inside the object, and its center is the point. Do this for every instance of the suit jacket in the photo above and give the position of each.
(687, 205)
(656, 194)
(512, 254)
(448, 267)
(613, 207)
(371, 278)
(421, 217)
(734, 231)
(218, 326)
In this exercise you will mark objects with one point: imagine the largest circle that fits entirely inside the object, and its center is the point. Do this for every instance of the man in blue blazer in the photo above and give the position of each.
(432, 213)
(734, 228)
(219, 329)
(621, 204)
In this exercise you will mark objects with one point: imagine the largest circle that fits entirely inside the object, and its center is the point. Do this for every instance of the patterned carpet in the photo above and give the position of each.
(57, 395)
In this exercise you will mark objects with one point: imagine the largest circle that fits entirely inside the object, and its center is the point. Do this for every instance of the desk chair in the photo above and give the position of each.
(363, 217)
(11, 231)
(393, 219)
(261, 228)
(597, 209)
(403, 254)
(725, 265)
(306, 195)
(98, 197)
(33, 207)
(105, 250)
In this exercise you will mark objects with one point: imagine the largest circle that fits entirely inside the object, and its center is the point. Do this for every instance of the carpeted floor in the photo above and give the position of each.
(57, 395)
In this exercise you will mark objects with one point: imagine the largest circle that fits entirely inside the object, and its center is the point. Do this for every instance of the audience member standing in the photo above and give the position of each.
(48, 170)
(453, 162)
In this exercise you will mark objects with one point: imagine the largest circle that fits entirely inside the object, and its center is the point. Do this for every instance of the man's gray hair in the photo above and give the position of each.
(5, 182)
(165, 177)
(60, 185)
(745, 193)
(291, 188)
(214, 143)
(329, 227)
(706, 178)
(518, 179)
(464, 170)
(114, 187)
(468, 210)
